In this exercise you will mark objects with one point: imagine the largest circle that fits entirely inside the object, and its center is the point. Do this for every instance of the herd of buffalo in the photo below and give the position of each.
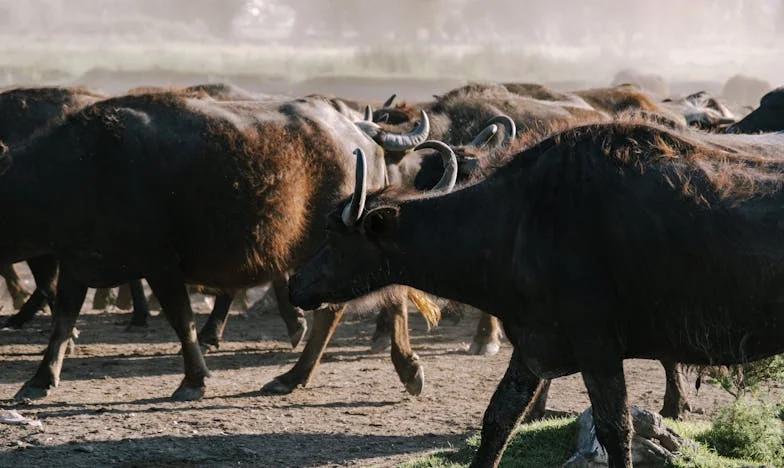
(592, 226)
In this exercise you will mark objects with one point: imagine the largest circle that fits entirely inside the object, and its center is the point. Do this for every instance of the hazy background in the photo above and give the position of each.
(277, 45)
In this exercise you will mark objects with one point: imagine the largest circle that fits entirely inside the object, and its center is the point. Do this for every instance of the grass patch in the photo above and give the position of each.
(541, 444)
(749, 429)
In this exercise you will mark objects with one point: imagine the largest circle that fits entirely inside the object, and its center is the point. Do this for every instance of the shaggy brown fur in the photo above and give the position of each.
(219, 194)
(219, 91)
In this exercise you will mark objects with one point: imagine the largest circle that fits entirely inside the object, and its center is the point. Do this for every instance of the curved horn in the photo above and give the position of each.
(484, 136)
(389, 102)
(395, 142)
(509, 126)
(368, 113)
(448, 180)
(353, 211)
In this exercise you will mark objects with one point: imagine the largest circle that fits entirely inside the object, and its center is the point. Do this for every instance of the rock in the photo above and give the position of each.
(653, 443)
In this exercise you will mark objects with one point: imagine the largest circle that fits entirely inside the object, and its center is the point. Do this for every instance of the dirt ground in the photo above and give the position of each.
(112, 405)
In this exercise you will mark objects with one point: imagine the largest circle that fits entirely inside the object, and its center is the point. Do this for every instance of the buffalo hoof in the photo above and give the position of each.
(186, 393)
(208, 343)
(31, 392)
(415, 385)
(299, 334)
(276, 387)
(380, 344)
(486, 349)
(676, 412)
(208, 347)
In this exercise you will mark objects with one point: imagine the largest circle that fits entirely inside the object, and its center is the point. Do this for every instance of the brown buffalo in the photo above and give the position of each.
(226, 195)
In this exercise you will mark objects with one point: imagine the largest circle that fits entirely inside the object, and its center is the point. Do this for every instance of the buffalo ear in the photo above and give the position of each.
(381, 223)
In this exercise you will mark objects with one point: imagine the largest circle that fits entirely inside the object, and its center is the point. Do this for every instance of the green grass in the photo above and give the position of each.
(550, 443)
(541, 444)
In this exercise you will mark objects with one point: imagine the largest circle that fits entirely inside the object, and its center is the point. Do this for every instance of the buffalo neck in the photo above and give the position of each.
(456, 245)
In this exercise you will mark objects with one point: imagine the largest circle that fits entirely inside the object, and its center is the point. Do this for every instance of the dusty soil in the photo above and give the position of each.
(112, 405)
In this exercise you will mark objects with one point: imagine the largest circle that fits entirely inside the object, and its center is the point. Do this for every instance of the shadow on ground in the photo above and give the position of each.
(274, 449)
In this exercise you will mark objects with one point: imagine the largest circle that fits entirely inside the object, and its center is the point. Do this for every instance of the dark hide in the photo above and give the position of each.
(227, 195)
(620, 240)
(23, 112)
(768, 117)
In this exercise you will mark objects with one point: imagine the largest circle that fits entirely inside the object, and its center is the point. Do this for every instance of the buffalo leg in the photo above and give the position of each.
(141, 311)
(241, 302)
(44, 270)
(124, 299)
(538, 407)
(607, 391)
(70, 297)
(382, 335)
(18, 293)
(103, 298)
(404, 359)
(293, 317)
(510, 402)
(675, 402)
(325, 320)
(176, 307)
(487, 340)
(212, 331)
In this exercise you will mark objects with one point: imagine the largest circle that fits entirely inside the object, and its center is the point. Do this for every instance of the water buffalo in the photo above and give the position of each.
(221, 194)
(702, 110)
(652, 83)
(600, 243)
(460, 114)
(24, 111)
(745, 90)
(768, 117)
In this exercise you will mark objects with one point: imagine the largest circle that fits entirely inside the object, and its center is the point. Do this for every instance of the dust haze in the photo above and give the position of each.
(420, 45)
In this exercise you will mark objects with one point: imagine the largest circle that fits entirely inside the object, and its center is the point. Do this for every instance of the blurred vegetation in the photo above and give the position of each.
(743, 379)
(748, 430)
(374, 22)
(741, 435)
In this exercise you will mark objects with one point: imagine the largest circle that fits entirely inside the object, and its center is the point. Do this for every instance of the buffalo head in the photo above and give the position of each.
(356, 260)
